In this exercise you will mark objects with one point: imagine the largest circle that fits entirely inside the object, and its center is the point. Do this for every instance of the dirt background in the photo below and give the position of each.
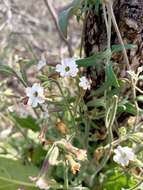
(27, 25)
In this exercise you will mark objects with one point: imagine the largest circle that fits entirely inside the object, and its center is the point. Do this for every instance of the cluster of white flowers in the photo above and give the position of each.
(68, 68)
(123, 155)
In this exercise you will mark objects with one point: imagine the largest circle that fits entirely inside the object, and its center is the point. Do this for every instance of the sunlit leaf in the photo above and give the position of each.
(92, 60)
(66, 14)
(111, 77)
(14, 174)
(6, 70)
(28, 122)
(141, 77)
(140, 98)
(117, 48)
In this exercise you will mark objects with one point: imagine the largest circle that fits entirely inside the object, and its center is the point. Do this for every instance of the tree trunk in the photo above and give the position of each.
(129, 17)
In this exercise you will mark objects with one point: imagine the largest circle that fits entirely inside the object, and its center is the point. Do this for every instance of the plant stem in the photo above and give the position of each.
(45, 165)
(110, 8)
(66, 102)
(66, 185)
(107, 24)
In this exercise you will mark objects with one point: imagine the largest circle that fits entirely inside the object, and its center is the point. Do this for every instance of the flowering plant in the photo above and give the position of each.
(74, 123)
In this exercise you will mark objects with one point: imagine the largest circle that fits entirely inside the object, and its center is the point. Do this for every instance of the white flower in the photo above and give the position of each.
(11, 108)
(81, 154)
(35, 95)
(67, 68)
(42, 184)
(41, 63)
(123, 155)
(85, 83)
(5, 133)
(140, 69)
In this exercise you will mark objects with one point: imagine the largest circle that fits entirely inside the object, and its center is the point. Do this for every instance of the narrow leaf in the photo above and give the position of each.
(92, 60)
(111, 77)
(28, 122)
(117, 48)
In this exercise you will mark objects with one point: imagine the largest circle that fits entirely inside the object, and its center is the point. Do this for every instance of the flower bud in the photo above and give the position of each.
(62, 128)
(54, 156)
(42, 184)
(75, 166)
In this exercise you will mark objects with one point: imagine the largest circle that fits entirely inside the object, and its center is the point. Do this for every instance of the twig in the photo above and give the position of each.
(110, 8)
(55, 19)
(138, 89)
(82, 38)
(66, 183)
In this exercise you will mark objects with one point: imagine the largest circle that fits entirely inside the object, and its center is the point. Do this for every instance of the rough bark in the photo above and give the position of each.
(129, 15)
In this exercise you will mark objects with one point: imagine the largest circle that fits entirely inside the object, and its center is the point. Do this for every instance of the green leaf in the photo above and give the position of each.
(116, 180)
(43, 78)
(130, 108)
(6, 70)
(28, 63)
(97, 4)
(92, 60)
(96, 103)
(100, 90)
(78, 188)
(117, 48)
(23, 72)
(66, 14)
(14, 174)
(111, 77)
(38, 155)
(140, 98)
(111, 112)
(28, 122)
(63, 20)
(141, 77)
(121, 108)
(111, 81)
